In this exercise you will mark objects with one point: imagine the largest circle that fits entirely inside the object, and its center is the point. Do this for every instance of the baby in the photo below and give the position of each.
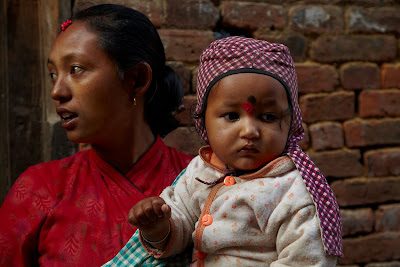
(252, 196)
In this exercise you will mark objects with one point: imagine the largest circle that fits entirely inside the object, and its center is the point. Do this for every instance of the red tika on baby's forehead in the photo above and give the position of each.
(248, 107)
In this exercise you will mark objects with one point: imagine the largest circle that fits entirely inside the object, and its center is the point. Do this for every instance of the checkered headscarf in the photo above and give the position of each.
(235, 54)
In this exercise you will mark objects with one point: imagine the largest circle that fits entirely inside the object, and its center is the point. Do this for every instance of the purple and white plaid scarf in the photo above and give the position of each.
(238, 54)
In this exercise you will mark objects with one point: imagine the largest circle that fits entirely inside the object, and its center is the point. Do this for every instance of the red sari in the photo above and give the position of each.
(73, 211)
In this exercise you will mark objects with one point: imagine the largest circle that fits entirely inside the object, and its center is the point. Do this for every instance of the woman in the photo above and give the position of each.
(112, 90)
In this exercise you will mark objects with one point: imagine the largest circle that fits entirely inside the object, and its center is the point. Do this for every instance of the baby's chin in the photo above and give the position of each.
(247, 168)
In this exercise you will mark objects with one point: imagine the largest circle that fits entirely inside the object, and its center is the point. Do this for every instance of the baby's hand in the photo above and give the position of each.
(151, 216)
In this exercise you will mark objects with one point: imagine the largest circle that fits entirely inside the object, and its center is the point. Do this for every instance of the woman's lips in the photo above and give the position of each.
(68, 118)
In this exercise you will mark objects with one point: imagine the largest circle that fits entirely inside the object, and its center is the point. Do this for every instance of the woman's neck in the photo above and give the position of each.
(123, 152)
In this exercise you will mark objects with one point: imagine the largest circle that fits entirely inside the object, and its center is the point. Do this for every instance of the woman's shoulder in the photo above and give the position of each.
(60, 165)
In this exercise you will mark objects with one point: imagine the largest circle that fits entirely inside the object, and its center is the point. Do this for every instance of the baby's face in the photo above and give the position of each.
(245, 120)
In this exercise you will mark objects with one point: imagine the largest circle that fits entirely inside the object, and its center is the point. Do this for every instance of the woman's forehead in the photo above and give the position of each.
(76, 42)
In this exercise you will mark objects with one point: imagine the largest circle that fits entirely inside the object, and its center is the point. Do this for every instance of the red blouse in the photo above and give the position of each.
(73, 211)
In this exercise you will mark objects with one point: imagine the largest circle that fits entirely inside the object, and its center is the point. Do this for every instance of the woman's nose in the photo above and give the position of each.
(60, 91)
(249, 128)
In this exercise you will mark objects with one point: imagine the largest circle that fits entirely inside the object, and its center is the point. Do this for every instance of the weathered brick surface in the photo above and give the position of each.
(379, 103)
(370, 248)
(356, 221)
(184, 73)
(185, 45)
(384, 264)
(361, 191)
(377, 19)
(297, 43)
(383, 162)
(338, 163)
(326, 135)
(391, 75)
(253, 15)
(191, 14)
(330, 49)
(357, 75)
(334, 106)
(313, 78)
(387, 218)
(185, 117)
(371, 132)
(316, 19)
(185, 139)
(151, 8)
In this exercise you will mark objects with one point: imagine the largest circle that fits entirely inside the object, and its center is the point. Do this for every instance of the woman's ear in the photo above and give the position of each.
(138, 79)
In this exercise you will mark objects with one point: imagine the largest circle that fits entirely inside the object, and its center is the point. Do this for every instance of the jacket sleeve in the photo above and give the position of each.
(183, 216)
(22, 214)
(299, 241)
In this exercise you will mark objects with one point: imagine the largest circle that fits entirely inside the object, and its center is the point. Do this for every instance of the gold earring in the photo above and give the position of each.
(134, 101)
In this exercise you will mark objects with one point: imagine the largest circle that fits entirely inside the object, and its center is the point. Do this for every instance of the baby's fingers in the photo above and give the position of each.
(166, 210)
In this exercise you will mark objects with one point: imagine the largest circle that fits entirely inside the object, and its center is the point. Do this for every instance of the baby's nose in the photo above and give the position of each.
(249, 129)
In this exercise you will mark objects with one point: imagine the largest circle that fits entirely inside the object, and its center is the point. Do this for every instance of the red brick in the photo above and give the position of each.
(185, 117)
(351, 48)
(326, 135)
(379, 103)
(376, 19)
(383, 162)
(371, 132)
(338, 163)
(313, 78)
(387, 218)
(252, 15)
(357, 221)
(296, 43)
(361, 191)
(305, 142)
(184, 139)
(370, 248)
(316, 19)
(391, 75)
(191, 14)
(185, 45)
(184, 73)
(151, 8)
(357, 75)
(334, 106)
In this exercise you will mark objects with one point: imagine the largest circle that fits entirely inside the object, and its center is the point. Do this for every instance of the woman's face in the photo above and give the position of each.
(90, 98)
(245, 120)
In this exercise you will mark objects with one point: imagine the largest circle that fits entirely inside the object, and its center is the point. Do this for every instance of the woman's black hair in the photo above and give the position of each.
(130, 38)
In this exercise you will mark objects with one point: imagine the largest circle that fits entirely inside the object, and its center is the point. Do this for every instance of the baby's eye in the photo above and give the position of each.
(75, 69)
(269, 117)
(231, 116)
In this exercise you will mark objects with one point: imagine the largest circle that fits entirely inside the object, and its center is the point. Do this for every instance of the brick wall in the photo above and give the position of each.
(348, 66)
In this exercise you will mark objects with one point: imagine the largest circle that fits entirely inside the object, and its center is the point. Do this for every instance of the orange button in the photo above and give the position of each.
(207, 219)
(201, 255)
(229, 180)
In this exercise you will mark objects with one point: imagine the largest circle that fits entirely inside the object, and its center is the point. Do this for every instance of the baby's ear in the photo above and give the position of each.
(138, 79)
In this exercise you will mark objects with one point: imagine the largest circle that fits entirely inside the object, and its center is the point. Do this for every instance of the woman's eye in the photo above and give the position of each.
(231, 116)
(269, 117)
(75, 69)
(52, 76)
